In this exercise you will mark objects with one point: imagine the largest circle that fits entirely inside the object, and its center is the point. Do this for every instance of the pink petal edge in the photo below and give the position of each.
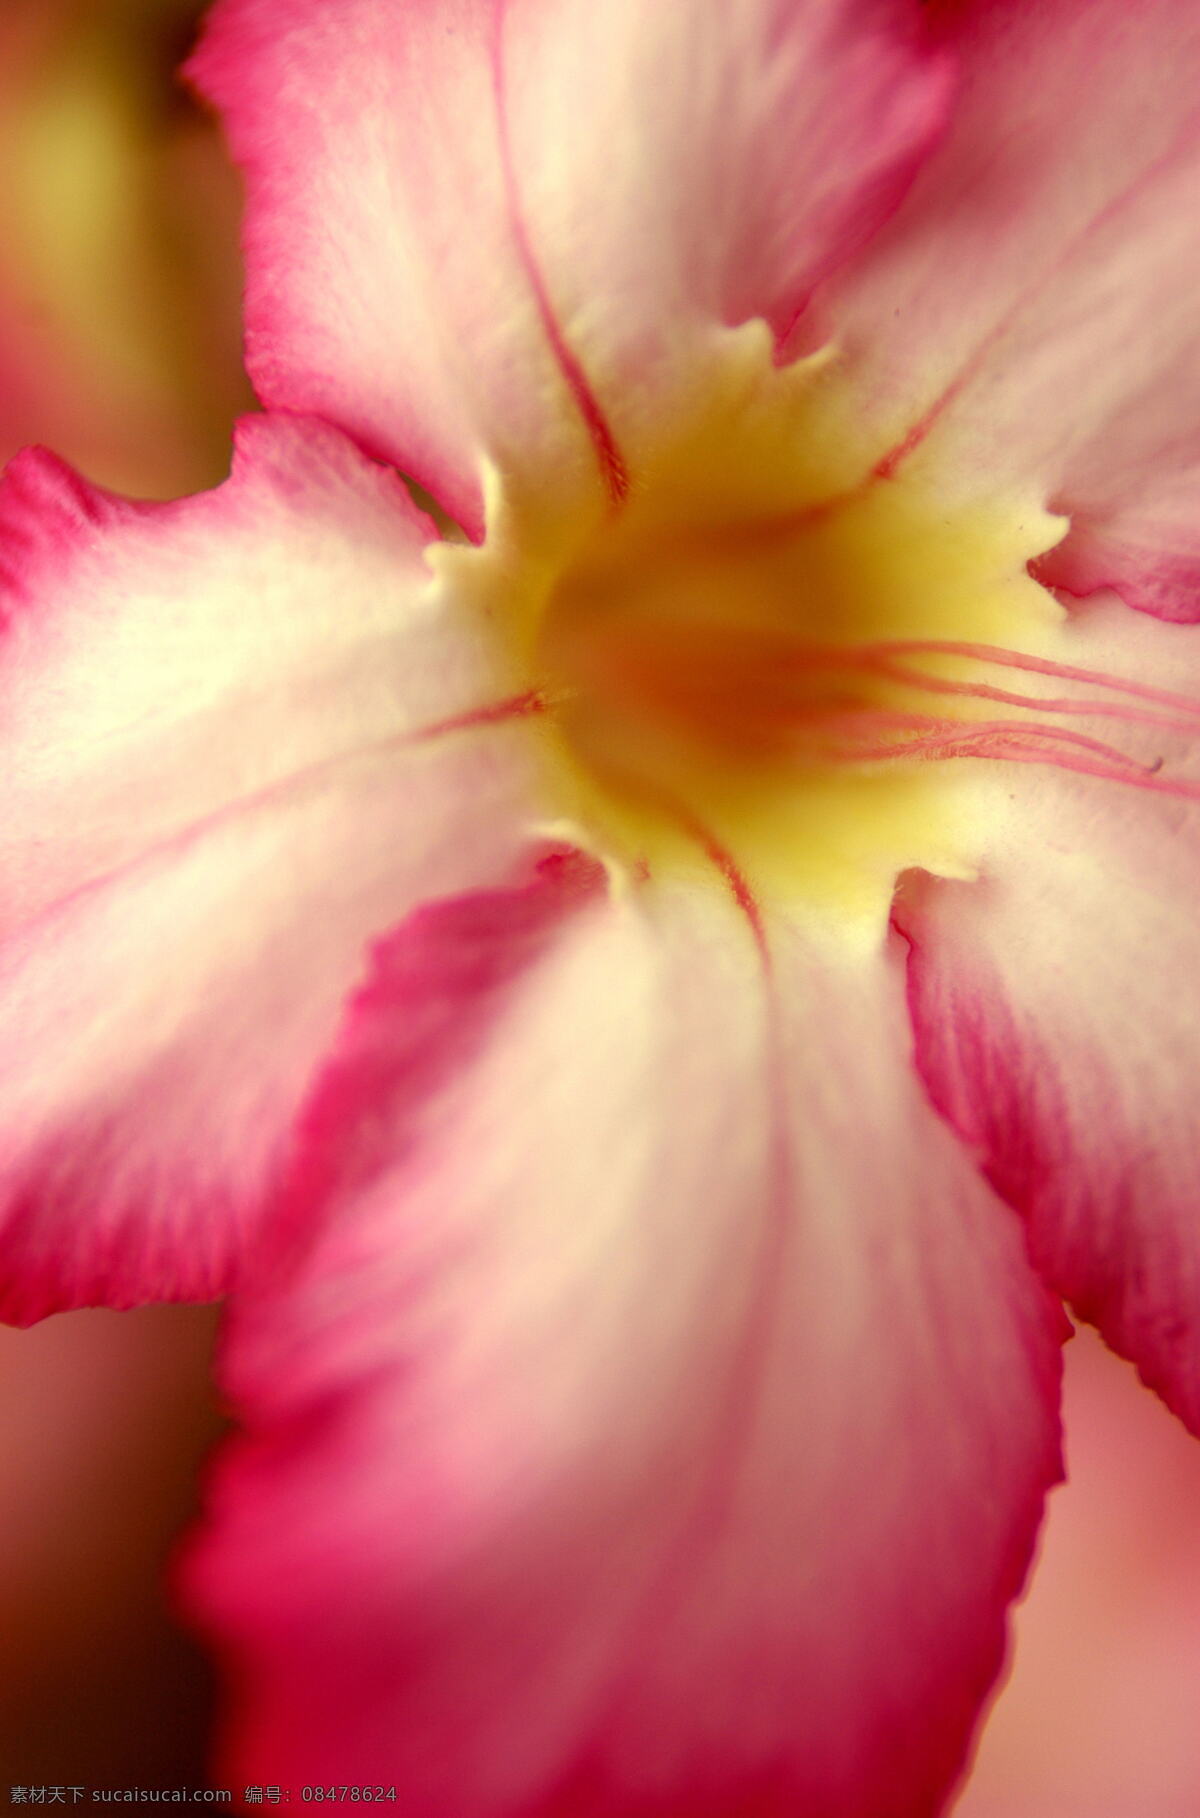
(217, 795)
(1026, 317)
(1054, 1015)
(575, 1407)
(467, 223)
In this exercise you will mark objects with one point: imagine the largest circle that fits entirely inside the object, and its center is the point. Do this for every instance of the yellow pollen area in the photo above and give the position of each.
(708, 652)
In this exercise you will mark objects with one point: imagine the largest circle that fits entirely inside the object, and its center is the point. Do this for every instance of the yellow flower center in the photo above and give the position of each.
(750, 651)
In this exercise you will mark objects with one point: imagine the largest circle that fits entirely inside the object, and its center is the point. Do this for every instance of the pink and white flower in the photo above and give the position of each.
(646, 1005)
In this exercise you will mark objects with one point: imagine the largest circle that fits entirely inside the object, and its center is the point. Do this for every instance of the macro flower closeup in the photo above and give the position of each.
(624, 887)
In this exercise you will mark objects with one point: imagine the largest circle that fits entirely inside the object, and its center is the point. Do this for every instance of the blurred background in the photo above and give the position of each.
(1100, 1716)
(119, 280)
(119, 295)
(119, 347)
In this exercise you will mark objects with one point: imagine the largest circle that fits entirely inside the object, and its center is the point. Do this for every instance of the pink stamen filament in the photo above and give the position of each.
(880, 735)
(983, 691)
(754, 691)
(943, 732)
(1000, 658)
(1118, 768)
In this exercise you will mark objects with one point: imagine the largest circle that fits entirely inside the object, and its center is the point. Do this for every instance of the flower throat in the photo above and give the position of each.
(757, 651)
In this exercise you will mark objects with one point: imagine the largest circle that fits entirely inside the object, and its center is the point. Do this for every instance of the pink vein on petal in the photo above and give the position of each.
(613, 469)
(732, 1424)
(495, 713)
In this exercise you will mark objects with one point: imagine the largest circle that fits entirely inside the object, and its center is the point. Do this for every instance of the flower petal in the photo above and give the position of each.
(1055, 1016)
(690, 165)
(456, 209)
(216, 795)
(650, 1410)
(1029, 310)
(384, 290)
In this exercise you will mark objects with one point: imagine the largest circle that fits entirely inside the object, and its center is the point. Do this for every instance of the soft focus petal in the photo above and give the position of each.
(1054, 1008)
(452, 206)
(216, 794)
(1031, 307)
(650, 1411)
